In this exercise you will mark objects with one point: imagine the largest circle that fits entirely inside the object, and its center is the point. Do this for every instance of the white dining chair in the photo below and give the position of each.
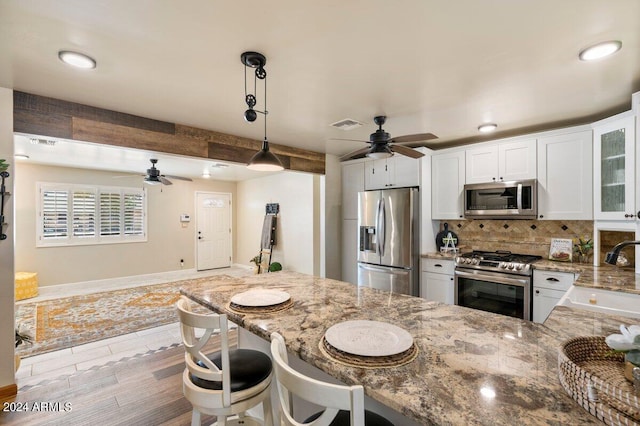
(344, 405)
(227, 382)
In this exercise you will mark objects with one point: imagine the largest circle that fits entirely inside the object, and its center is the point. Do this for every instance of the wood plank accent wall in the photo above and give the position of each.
(42, 116)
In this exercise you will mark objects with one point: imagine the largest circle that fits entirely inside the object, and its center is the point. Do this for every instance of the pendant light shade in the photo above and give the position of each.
(264, 160)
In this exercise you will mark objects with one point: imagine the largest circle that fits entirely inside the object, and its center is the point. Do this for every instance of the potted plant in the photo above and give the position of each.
(628, 343)
(22, 336)
(583, 248)
(256, 261)
(275, 266)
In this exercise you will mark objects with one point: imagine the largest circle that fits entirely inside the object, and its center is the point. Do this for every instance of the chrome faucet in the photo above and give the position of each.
(612, 256)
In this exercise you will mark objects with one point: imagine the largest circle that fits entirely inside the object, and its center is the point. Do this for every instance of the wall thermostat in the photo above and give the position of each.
(185, 218)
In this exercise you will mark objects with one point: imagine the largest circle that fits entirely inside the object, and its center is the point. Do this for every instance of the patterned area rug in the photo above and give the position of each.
(71, 321)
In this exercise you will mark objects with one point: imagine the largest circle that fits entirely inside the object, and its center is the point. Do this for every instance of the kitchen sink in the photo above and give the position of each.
(605, 301)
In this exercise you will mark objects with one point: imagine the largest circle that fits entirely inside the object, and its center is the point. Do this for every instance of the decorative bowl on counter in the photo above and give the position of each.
(593, 375)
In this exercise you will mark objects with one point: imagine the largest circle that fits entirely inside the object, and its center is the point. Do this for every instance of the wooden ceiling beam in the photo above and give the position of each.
(42, 116)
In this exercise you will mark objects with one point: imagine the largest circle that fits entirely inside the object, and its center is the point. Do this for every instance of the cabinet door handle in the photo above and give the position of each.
(638, 214)
(541, 216)
(537, 291)
(437, 265)
(451, 278)
(553, 279)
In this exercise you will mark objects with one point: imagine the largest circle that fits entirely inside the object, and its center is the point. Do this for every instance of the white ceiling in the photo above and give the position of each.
(429, 65)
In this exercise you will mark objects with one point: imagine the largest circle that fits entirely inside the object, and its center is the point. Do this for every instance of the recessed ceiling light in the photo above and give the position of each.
(206, 174)
(487, 127)
(600, 50)
(21, 156)
(76, 59)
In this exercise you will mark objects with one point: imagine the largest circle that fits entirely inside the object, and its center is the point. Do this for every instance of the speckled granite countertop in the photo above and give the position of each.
(461, 350)
(604, 277)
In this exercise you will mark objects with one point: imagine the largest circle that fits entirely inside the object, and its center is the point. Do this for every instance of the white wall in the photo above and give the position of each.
(297, 194)
(331, 197)
(167, 243)
(7, 377)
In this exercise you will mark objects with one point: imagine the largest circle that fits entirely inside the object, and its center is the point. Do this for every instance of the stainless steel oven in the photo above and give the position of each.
(498, 282)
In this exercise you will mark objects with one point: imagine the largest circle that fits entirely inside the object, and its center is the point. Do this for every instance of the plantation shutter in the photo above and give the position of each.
(110, 213)
(84, 213)
(55, 204)
(133, 213)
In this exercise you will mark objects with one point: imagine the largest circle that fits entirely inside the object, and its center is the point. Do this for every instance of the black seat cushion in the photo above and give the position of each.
(343, 419)
(247, 368)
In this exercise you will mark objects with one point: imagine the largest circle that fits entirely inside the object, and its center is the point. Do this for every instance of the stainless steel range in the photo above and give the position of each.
(499, 282)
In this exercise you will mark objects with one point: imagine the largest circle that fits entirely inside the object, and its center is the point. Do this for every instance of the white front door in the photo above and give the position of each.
(213, 230)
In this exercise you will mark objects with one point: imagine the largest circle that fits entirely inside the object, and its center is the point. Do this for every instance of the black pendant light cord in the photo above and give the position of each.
(265, 109)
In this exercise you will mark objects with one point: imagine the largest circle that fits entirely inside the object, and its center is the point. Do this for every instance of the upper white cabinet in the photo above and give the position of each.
(501, 162)
(352, 183)
(565, 170)
(447, 185)
(393, 172)
(614, 168)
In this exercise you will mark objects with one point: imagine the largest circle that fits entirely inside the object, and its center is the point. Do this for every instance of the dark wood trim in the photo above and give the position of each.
(8, 392)
(43, 116)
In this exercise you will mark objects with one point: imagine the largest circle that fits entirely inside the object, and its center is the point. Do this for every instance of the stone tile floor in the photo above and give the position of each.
(41, 369)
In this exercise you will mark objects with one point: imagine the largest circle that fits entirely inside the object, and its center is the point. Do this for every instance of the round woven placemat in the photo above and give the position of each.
(593, 375)
(368, 361)
(260, 309)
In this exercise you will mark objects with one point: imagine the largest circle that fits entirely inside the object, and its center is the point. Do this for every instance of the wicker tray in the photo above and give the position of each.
(593, 375)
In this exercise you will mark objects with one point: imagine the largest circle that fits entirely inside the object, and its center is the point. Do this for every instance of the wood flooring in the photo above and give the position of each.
(144, 390)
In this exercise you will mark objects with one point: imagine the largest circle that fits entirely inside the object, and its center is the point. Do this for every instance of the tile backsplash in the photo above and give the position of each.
(519, 236)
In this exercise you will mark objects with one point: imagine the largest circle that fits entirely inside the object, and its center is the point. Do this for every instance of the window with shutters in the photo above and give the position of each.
(79, 214)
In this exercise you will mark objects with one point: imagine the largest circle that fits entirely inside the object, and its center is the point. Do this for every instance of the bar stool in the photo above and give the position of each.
(344, 405)
(227, 382)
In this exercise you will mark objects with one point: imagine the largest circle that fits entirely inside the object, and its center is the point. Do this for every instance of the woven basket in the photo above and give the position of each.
(594, 376)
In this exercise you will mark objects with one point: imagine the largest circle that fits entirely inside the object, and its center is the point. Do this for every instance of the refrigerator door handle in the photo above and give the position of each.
(383, 220)
(378, 226)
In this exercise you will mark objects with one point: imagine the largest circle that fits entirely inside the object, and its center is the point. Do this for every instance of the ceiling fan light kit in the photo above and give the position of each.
(264, 160)
(382, 145)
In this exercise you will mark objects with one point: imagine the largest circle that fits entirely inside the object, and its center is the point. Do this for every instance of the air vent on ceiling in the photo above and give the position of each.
(346, 124)
(36, 141)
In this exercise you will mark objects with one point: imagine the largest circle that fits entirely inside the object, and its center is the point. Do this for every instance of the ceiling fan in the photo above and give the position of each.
(382, 145)
(153, 176)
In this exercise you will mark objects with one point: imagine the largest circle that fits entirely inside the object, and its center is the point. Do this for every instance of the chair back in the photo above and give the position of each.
(207, 324)
(332, 397)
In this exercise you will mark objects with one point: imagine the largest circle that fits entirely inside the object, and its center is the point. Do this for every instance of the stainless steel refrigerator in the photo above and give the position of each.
(388, 240)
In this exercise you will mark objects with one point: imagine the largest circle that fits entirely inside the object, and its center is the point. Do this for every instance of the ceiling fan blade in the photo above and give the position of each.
(409, 152)
(352, 140)
(414, 138)
(164, 180)
(355, 154)
(178, 177)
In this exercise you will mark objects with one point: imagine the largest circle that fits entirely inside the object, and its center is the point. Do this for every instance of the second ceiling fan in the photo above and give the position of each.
(382, 145)
(153, 176)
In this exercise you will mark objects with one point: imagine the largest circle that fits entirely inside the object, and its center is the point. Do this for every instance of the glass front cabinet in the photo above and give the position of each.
(614, 171)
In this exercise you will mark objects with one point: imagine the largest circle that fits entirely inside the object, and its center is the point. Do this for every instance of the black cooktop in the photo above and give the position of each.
(501, 256)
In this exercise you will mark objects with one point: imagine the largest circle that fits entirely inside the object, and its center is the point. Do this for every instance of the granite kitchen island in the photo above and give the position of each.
(472, 367)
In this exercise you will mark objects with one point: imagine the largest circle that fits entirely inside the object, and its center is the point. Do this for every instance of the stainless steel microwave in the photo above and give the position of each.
(501, 200)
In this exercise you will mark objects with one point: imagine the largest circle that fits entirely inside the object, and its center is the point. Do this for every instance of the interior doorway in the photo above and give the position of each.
(213, 230)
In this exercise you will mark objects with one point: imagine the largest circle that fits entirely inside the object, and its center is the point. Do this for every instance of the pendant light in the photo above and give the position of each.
(264, 160)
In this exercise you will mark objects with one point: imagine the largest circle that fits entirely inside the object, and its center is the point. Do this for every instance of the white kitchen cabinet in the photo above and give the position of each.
(352, 183)
(437, 282)
(548, 289)
(447, 185)
(393, 172)
(565, 188)
(350, 251)
(614, 168)
(501, 162)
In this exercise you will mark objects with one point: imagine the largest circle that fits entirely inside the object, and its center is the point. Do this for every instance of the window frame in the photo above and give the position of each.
(92, 223)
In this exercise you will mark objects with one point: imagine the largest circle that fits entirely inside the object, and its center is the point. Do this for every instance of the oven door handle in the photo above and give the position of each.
(496, 278)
